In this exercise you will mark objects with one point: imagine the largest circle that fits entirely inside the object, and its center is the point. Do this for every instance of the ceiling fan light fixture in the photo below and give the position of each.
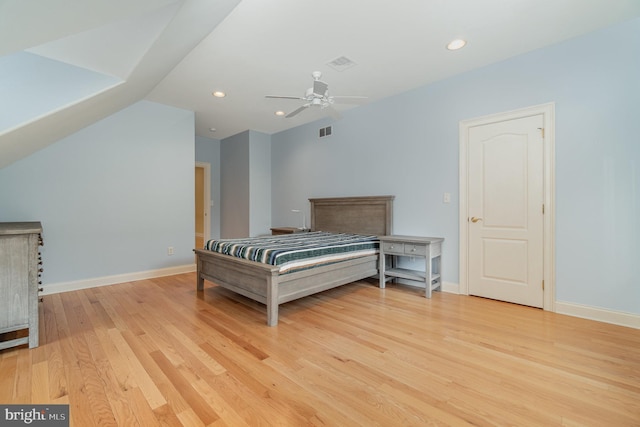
(219, 94)
(456, 44)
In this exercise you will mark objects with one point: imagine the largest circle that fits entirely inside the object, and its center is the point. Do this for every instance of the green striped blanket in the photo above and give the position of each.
(298, 250)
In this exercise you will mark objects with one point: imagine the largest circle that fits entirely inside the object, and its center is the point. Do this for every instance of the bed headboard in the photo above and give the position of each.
(359, 215)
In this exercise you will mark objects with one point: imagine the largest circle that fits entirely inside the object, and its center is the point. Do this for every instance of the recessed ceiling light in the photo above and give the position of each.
(219, 94)
(456, 44)
(212, 129)
(279, 113)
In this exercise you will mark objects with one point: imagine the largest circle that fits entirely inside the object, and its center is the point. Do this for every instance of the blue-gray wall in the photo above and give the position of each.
(408, 146)
(245, 185)
(260, 186)
(235, 186)
(112, 197)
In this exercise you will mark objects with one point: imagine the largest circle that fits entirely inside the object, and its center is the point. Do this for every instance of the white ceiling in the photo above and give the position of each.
(178, 51)
(272, 47)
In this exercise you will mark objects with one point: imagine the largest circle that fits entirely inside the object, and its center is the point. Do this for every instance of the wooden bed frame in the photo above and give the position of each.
(263, 283)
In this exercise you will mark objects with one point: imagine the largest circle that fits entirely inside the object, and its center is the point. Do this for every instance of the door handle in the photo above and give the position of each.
(474, 219)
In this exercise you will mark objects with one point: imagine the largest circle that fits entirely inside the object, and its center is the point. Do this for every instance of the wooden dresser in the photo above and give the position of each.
(20, 268)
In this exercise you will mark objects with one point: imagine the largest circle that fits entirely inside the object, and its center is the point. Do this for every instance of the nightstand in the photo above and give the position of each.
(427, 248)
(275, 231)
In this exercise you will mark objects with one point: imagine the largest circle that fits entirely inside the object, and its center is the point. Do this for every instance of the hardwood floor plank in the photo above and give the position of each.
(136, 361)
(22, 385)
(227, 414)
(140, 408)
(249, 384)
(196, 403)
(8, 374)
(79, 405)
(157, 352)
(40, 382)
(166, 416)
(113, 389)
(57, 379)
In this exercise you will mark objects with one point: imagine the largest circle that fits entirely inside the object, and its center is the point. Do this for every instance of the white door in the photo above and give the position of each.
(505, 207)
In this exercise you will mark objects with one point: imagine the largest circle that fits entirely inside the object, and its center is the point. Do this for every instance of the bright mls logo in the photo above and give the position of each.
(36, 415)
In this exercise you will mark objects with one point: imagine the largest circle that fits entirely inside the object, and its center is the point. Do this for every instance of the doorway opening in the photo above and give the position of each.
(202, 203)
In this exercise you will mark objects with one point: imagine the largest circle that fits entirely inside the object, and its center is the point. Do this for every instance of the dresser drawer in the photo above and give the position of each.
(393, 248)
(413, 249)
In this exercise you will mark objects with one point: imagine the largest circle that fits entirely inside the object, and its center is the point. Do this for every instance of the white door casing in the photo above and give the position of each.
(506, 180)
(206, 199)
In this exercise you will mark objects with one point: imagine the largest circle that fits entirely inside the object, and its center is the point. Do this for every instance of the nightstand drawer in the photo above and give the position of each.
(393, 248)
(411, 249)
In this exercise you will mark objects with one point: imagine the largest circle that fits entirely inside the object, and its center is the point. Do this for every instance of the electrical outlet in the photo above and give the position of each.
(446, 198)
(170, 250)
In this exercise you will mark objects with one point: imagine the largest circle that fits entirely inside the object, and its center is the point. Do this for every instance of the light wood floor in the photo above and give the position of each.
(155, 352)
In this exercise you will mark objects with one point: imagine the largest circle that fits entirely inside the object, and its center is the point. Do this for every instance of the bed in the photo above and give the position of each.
(368, 215)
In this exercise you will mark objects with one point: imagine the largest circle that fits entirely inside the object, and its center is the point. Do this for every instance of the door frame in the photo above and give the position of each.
(548, 113)
(206, 198)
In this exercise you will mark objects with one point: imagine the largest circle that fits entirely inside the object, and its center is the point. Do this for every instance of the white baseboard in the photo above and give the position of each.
(56, 288)
(600, 314)
(452, 288)
(577, 310)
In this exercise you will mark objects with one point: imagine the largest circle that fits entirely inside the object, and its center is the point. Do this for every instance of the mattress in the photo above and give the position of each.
(293, 252)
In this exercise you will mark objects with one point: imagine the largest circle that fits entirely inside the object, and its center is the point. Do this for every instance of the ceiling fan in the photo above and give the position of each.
(318, 96)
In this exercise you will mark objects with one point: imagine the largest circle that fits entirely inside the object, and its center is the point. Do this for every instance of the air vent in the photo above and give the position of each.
(341, 63)
(324, 132)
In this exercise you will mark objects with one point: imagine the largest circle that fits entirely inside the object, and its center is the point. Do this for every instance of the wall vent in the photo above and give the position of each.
(324, 132)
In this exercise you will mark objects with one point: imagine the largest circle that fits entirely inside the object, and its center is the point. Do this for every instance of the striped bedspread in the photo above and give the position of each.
(292, 252)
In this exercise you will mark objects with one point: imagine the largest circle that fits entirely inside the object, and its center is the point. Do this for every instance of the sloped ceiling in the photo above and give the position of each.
(65, 64)
(114, 48)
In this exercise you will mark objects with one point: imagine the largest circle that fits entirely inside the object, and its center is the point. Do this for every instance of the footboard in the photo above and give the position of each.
(263, 283)
(254, 280)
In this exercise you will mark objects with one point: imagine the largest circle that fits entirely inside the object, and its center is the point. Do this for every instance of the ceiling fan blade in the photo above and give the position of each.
(297, 111)
(349, 99)
(320, 88)
(333, 113)
(283, 97)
